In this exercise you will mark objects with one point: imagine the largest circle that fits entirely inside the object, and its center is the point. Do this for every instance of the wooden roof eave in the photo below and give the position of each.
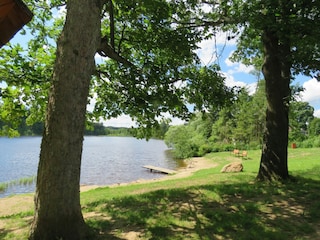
(14, 14)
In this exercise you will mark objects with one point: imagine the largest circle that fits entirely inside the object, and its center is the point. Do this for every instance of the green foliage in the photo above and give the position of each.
(241, 126)
(118, 131)
(222, 127)
(310, 142)
(179, 137)
(161, 72)
(150, 67)
(160, 131)
(191, 139)
(156, 52)
(25, 75)
(98, 129)
(95, 129)
(314, 127)
(27, 68)
(157, 130)
(301, 115)
(293, 20)
(21, 128)
(206, 88)
(282, 34)
(242, 123)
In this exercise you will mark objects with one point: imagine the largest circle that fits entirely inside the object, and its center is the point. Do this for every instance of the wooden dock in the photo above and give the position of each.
(160, 169)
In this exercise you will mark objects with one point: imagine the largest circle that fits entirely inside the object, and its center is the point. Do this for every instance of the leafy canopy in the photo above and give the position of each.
(147, 67)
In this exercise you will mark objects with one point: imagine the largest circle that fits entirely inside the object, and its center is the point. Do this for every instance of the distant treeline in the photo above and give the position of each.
(97, 129)
(92, 129)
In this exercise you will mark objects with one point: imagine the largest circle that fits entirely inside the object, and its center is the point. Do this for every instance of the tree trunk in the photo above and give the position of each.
(57, 198)
(276, 71)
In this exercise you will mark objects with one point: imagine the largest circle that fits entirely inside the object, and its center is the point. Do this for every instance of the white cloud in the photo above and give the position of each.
(221, 38)
(252, 87)
(231, 82)
(121, 121)
(311, 95)
(312, 91)
(100, 59)
(177, 121)
(126, 121)
(207, 52)
(174, 120)
(317, 113)
(236, 67)
(60, 12)
(211, 49)
(207, 8)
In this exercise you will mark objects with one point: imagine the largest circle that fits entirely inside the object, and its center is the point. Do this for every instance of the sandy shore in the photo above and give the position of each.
(19, 203)
(192, 165)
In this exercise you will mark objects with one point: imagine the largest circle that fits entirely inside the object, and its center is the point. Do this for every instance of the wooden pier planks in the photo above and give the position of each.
(160, 169)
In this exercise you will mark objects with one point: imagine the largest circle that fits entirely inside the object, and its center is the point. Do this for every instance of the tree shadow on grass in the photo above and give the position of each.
(3, 233)
(15, 226)
(224, 211)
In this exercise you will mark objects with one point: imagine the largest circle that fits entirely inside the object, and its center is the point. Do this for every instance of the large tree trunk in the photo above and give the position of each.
(57, 199)
(276, 70)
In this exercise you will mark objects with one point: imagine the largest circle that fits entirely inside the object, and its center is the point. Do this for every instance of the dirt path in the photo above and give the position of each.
(15, 204)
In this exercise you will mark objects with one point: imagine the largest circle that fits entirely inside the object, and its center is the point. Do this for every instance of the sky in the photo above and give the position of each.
(237, 74)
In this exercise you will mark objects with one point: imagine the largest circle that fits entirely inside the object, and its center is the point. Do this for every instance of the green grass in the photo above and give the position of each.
(208, 204)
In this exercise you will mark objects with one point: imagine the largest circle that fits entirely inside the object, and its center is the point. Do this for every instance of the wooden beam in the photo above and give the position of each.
(14, 14)
(160, 169)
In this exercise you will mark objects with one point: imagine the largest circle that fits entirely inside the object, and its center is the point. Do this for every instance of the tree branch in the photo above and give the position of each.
(106, 50)
(111, 23)
(203, 23)
(121, 39)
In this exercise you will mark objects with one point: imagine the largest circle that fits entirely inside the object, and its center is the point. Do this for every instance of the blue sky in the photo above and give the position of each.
(236, 74)
(239, 74)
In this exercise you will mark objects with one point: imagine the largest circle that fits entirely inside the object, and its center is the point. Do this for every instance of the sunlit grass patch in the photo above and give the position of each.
(206, 205)
(15, 226)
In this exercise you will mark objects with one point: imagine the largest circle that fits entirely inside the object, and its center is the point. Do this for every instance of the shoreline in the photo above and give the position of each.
(192, 165)
(24, 202)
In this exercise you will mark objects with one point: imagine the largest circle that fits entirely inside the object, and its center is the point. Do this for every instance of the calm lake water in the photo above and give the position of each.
(105, 160)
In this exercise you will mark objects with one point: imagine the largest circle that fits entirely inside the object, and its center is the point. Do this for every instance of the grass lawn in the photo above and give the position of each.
(206, 205)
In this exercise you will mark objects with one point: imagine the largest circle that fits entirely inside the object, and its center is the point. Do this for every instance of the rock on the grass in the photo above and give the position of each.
(232, 167)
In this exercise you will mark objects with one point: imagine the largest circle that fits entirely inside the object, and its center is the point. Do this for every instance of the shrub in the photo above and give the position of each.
(311, 142)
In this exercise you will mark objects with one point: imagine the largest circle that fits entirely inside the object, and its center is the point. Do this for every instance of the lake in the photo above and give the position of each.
(105, 160)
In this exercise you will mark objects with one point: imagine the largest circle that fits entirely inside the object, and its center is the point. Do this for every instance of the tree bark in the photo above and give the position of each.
(276, 71)
(57, 198)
